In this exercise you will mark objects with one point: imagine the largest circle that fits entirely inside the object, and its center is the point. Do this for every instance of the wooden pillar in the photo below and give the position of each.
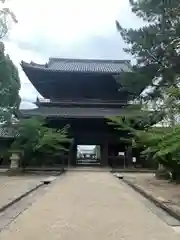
(114, 154)
(73, 154)
(104, 154)
(138, 158)
(129, 156)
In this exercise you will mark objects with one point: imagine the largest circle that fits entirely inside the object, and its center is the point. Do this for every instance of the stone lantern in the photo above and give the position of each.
(15, 162)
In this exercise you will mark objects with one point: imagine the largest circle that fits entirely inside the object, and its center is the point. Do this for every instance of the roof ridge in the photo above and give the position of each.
(89, 60)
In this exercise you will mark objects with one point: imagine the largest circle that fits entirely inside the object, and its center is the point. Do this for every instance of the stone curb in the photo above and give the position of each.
(131, 171)
(3, 208)
(172, 212)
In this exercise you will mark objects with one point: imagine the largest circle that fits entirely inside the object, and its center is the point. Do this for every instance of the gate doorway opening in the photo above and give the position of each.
(88, 155)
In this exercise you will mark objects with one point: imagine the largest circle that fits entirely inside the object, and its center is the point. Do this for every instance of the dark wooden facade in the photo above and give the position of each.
(83, 94)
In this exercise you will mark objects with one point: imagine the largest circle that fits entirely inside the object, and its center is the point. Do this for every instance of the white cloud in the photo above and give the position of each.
(66, 28)
(66, 21)
(27, 105)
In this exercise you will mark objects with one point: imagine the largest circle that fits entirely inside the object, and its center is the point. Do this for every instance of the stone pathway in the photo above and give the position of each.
(88, 206)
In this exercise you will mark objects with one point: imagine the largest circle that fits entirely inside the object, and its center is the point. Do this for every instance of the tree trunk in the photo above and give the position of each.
(162, 172)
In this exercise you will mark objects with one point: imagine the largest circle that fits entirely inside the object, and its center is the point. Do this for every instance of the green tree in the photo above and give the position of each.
(9, 87)
(35, 139)
(9, 82)
(159, 144)
(6, 18)
(53, 142)
(155, 46)
(162, 145)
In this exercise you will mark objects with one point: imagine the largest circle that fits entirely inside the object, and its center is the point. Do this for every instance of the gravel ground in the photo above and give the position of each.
(167, 191)
(13, 187)
(15, 210)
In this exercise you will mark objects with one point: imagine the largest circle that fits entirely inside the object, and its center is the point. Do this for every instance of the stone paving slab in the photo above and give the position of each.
(91, 206)
(13, 187)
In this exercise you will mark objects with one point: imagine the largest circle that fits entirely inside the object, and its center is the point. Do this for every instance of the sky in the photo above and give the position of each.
(65, 28)
(68, 29)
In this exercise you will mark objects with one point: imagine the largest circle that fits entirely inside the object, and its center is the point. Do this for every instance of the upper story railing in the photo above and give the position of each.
(81, 102)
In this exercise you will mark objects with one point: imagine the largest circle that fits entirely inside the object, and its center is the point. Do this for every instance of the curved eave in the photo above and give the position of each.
(54, 84)
(35, 75)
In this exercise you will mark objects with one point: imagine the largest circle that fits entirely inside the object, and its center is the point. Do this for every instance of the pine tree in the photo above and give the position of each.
(155, 46)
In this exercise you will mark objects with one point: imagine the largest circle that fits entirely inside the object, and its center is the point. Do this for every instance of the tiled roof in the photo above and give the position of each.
(72, 112)
(83, 65)
(7, 132)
